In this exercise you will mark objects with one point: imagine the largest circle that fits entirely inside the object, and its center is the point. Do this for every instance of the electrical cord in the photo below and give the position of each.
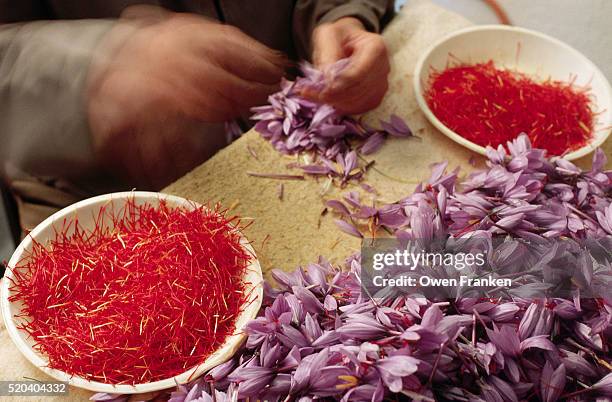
(499, 11)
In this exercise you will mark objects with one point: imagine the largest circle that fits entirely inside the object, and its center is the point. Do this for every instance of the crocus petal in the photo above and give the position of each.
(400, 126)
(338, 206)
(373, 143)
(604, 386)
(540, 342)
(330, 303)
(552, 382)
(348, 228)
(102, 396)
(394, 368)
(308, 299)
(316, 169)
(506, 339)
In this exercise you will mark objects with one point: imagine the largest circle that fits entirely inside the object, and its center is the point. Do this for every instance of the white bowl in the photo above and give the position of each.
(85, 211)
(524, 50)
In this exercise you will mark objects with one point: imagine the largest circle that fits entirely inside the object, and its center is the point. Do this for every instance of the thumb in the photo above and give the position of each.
(328, 49)
(327, 46)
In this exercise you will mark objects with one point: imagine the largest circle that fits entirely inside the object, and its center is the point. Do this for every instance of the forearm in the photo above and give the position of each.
(43, 75)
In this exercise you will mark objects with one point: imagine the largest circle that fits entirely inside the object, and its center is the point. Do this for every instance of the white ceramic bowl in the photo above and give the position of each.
(85, 211)
(524, 50)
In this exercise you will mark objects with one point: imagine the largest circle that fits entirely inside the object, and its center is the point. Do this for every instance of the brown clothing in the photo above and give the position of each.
(46, 46)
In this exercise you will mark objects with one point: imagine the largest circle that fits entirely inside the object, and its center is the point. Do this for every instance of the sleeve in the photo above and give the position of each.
(22, 10)
(43, 72)
(374, 14)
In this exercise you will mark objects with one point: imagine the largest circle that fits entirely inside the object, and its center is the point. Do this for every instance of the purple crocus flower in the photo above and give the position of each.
(361, 327)
(394, 368)
(396, 127)
(251, 380)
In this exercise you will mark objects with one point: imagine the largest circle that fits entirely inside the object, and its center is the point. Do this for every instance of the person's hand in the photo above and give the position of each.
(156, 84)
(363, 83)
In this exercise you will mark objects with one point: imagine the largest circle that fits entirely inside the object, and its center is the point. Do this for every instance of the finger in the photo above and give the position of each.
(309, 94)
(203, 104)
(328, 49)
(369, 56)
(228, 91)
(251, 67)
(359, 98)
(359, 104)
(240, 38)
(246, 93)
(144, 12)
(327, 46)
(341, 94)
(249, 59)
(209, 93)
(237, 90)
(191, 90)
(203, 109)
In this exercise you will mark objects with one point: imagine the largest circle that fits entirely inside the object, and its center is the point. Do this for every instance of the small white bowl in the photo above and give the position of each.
(85, 211)
(524, 50)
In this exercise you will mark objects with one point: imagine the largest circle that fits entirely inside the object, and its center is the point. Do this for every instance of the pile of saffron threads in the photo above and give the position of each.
(491, 106)
(142, 299)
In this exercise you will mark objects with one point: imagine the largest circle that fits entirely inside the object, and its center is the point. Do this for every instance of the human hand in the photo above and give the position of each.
(157, 83)
(363, 83)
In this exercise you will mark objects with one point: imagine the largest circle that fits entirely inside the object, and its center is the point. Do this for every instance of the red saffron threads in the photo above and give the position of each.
(142, 299)
(491, 106)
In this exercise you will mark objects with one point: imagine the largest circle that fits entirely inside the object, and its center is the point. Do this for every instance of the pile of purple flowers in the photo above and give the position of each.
(521, 193)
(319, 337)
(295, 125)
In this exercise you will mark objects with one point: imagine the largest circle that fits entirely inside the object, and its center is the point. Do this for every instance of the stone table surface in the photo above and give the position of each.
(291, 231)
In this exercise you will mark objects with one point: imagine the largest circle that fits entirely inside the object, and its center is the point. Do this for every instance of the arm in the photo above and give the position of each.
(129, 98)
(341, 30)
(43, 70)
(373, 14)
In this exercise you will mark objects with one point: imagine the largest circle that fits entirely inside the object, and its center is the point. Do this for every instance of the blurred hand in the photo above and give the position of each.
(362, 85)
(156, 84)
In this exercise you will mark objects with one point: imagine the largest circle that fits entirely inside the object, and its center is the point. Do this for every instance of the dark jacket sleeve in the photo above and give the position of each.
(374, 14)
(22, 10)
(43, 71)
